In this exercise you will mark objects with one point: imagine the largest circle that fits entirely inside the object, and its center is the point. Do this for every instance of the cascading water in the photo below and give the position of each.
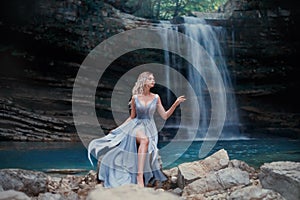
(207, 36)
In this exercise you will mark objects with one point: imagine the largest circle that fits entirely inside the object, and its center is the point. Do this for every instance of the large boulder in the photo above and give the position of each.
(191, 171)
(30, 182)
(282, 177)
(220, 180)
(254, 192)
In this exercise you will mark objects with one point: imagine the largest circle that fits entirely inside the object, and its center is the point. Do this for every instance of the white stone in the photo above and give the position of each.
(13, 195)
(132, 192)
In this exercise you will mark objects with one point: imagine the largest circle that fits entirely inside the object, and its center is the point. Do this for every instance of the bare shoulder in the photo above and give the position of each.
(155, 95)
(132, 99)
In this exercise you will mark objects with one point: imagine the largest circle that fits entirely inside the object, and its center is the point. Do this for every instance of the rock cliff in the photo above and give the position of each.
(43, 44)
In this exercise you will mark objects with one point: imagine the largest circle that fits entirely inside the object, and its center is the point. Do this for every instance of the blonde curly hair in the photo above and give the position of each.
(140, 83)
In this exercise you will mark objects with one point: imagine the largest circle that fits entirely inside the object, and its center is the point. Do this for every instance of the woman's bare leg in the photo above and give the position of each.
(143, 142)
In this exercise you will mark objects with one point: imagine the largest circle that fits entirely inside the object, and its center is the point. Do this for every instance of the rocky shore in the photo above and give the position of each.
(215, 177)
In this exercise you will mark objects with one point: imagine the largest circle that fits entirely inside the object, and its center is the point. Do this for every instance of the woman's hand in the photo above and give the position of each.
(180, 99)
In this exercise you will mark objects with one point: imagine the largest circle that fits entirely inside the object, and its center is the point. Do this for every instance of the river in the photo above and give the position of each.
(44, 156)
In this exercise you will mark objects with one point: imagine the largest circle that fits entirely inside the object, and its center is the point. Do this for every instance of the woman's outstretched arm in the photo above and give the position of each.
(166, 114)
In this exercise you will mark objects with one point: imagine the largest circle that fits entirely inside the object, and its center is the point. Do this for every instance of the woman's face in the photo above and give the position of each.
(150, 82)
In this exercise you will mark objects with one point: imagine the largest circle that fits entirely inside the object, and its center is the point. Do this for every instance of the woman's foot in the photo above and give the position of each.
(140, 180)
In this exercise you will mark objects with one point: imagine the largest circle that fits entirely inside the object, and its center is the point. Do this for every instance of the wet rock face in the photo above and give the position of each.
(262, 60)
(44, 43)
(40, 55)
(76, 26)
(261, 55)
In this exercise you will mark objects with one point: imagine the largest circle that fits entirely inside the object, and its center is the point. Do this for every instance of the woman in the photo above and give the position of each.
(131, 149)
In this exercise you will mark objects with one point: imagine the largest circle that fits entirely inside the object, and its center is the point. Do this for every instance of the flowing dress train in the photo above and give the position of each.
(120, 161)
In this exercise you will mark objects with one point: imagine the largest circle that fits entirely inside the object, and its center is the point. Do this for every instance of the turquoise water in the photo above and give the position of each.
(60, 155)
(255, 151)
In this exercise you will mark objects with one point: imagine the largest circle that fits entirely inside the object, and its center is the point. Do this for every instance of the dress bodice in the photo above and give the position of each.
(145, 112)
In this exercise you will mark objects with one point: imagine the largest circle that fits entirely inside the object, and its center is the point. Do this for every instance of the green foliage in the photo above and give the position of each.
(167, 9)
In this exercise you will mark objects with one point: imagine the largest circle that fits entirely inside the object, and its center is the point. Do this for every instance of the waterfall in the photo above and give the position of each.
(208, 37)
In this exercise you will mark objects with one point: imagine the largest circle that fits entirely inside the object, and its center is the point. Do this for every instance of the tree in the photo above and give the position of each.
(165, 9)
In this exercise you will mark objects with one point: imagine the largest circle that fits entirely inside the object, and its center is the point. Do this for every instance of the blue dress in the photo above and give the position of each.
(120, 161)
